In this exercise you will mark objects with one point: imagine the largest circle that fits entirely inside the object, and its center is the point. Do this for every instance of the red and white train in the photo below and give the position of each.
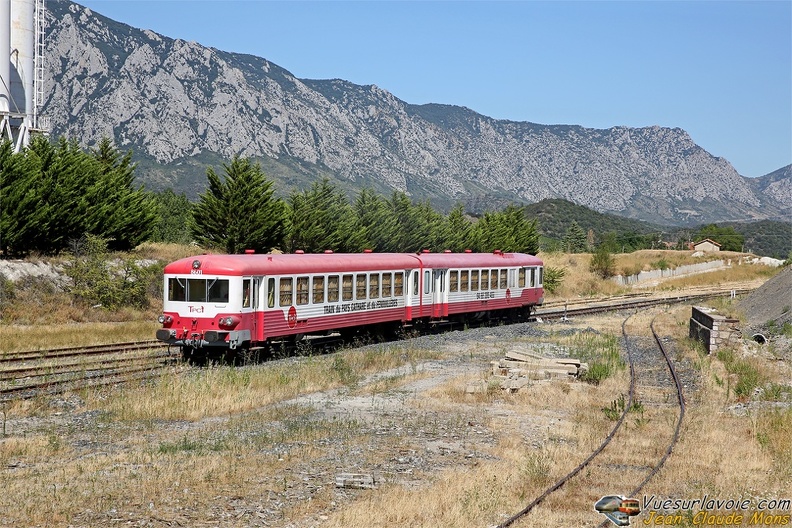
(218, 305)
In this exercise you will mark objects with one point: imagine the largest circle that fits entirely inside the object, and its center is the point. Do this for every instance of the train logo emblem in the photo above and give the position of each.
(618, 509)
(292, 318)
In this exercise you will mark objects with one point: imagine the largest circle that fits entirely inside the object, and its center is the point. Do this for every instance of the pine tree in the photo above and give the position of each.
(575, 239)
(127, 215)
(320, 219)
(373, 223)
(457, 232)
(508, 231)
(239, 212)
(23, 217)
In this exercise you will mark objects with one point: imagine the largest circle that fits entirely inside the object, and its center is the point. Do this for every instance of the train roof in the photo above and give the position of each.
(281, 264)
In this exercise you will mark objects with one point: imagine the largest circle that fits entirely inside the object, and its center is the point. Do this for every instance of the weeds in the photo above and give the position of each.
(617, 406)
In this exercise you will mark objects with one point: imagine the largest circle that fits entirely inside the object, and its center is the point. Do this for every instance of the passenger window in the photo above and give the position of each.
(463, 280)
(318, 290)
(374, 286)
(387, 285)
(415, 283)
(332, 288)
(271, 293)
(502, 282)
(474, 280)
(286, 292)
(453, 281)
(533, 278)
(494, 280)
(302, 290)
(484, 279)
(360, 286)
(346, 292)
(427, 282)
(398, 284)
(522, 278)
(246, 293)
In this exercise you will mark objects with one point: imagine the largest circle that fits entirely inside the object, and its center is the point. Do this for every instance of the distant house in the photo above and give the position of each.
(706, 246)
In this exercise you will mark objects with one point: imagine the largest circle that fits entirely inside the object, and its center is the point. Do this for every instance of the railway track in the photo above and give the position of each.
(560, 309)
(32, 373)
(649, 391)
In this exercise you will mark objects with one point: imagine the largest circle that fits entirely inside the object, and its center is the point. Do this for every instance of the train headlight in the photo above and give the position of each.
(228, 322)
(165, 319)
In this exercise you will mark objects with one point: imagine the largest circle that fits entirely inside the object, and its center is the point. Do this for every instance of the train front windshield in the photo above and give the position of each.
(198, 290)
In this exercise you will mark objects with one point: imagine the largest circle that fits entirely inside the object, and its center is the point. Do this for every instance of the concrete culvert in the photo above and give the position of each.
(759, 338)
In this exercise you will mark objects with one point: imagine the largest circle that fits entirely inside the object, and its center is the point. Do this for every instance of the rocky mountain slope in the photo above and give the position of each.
(180, 105)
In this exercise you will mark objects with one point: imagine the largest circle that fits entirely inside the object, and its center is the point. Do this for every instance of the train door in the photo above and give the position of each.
(427, 287)
(439, 293)
(250, 303)
(412, 300)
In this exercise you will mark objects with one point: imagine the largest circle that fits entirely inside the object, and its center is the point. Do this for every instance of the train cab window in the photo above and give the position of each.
(360, 286)
(374, 286)
(521, 278)
(474, 280)
(270, 293)
(246, 293)
(427, 282)
(218, 291)
(453, 281)
(332, 288)
(387, 285)
(177, 290)
(541, 277)
(493, 279)
(346, 292)
(464, 278)
(318, 290)
(532, 284)
(286, 291)
(502, 281)
(484, 279)
(302, 290)
(196, 290)
(398, 284)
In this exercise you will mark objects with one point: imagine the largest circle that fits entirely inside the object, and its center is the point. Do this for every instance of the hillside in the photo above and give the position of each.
(179, 105)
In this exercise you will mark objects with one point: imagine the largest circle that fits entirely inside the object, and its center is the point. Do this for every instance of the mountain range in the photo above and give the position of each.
(181, 107)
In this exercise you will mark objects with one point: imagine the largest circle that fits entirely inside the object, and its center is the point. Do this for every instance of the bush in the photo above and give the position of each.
(552, 278)
(98, 282)
(602, 263)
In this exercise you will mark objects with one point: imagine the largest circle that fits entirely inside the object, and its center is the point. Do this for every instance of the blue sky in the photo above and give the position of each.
(720, 70)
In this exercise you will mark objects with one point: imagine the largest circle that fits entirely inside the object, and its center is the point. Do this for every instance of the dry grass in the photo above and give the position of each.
(165, 252)
(222, 391)
(16, 338)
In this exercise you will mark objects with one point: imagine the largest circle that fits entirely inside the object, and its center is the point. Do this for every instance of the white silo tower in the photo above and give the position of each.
(21, 50)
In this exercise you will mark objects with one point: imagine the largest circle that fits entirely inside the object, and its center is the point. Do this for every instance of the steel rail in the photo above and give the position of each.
(56, 353)
(631, 393)
(580, 467)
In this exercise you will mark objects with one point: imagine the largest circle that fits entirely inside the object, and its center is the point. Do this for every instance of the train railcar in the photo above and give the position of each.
(218, 305)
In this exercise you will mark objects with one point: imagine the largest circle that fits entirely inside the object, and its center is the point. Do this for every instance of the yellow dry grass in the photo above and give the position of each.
(18, 338)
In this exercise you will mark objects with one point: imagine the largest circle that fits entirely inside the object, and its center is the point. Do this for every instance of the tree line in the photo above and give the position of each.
(53, 195)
